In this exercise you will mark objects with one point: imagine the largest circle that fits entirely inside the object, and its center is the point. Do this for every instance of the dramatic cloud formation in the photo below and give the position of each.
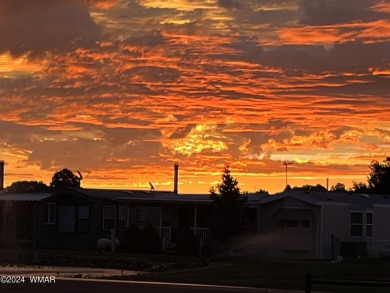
(125, 88)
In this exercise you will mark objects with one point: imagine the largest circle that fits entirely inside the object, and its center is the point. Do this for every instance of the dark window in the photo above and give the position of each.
(109, 217)
(357, 218)
(122, 218)
(49, 213)
(356, 230)
(357, 224)
(83, 219)
(73, 219)
(369, 224)
(306, 224)
(291, 223)
(66, 219)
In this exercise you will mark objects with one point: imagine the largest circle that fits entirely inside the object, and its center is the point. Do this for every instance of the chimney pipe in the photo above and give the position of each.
(1, 175)
(176, 178)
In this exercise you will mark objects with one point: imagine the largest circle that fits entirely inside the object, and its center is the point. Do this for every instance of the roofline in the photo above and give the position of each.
(300, 197)
(163, 200)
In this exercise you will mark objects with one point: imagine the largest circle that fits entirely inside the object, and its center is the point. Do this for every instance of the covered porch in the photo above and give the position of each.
(169, 219)
(18, 219)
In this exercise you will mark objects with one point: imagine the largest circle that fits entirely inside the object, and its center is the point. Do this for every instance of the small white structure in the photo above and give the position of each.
(106, 244)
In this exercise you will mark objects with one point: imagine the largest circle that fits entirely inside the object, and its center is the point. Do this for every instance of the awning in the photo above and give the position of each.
(292, 214)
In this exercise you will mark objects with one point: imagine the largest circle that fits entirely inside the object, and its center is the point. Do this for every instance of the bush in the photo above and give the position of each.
(130, 238)
(212, 246)
(186, 242)
(148, 240)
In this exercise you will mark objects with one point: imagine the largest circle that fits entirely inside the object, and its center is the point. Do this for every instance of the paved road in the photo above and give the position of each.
(63, 285)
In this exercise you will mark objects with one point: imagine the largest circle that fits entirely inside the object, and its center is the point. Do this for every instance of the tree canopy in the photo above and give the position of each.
(27, 187)
(65, 178)
(379, 178)
(338, 187)
(228, 206)
(310, 188)
(378, 181)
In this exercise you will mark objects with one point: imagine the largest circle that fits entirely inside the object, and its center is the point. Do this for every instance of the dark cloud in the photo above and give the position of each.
(326, 12)
(36, 27)
(230, 4)
(354, 56)
(151, 39)
(153, 73)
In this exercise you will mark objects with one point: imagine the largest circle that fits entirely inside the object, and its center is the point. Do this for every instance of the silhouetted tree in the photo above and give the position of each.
(338, 187)
(379, 178)
(311, 188)
(228, 207)
(378, 181)
(65, 178)
(262, 191)
(360, 187)
(27, 187)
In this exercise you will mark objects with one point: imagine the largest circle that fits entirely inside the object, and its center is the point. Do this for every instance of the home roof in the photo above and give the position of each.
(319, 198)
(146, 196)
(25, 197)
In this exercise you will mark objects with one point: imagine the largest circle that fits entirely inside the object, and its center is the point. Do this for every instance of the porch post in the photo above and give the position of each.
(34, 226)
(128, 215)
(160, 229)
(195, 219)
(3, 232)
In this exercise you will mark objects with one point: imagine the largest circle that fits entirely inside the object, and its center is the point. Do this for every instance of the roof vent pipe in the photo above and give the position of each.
(1, 175)
(176, 178)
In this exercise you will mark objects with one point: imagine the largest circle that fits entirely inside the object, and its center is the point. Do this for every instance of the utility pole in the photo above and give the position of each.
(286, 163)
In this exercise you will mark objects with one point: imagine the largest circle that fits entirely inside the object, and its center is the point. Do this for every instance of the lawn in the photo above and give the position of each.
(278, 274)
(238, 271)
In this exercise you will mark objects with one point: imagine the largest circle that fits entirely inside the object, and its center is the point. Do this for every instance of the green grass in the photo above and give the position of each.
(277, 274)
(238, 271)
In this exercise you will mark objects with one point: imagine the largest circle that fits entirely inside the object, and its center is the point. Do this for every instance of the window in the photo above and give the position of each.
(292, 223)
(122, 218)
(49, 213)
(306, 224)
(66, 219)
(83, 219)
(356, 224)
(141, 215)
(109, 217)
(73, 219)
(369, 224)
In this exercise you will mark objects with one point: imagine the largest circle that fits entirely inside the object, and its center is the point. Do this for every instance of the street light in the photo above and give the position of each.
(286, 163)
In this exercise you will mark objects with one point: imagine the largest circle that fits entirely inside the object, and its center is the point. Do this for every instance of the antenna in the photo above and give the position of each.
(286, 163)
(81, 175)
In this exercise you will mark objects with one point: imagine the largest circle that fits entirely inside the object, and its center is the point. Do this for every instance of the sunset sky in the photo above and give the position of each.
(121, 90)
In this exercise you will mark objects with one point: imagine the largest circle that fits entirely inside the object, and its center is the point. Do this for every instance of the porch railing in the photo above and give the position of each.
(165, 234)
(201, 234)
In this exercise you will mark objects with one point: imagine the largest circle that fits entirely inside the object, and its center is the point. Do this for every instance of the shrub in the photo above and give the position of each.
(148, 240)
(130, 238)
(186, 242)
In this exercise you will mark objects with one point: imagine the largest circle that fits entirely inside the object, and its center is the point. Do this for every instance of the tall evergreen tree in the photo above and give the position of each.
(228, 207)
